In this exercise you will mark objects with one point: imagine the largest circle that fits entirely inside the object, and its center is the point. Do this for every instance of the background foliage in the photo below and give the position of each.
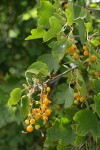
(16, 55)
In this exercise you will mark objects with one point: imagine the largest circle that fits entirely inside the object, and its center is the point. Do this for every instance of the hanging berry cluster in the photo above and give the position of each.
(40, 109)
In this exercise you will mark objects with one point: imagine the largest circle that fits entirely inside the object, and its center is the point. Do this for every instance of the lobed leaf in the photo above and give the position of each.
(15, 96)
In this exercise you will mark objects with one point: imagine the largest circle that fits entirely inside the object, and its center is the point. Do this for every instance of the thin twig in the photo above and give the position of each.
(52, 80)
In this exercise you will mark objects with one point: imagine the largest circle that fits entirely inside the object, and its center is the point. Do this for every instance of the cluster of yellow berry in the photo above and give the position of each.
(78, 98)
(39, 111)
(74, 51)
(92, 58)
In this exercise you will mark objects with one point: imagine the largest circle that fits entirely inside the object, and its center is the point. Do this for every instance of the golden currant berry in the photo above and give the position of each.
(81, 99)
(92, 58)
(43, 96)
(32, 121)
(45, 118)
(97, 74)
(29, 128)
(48, 112)
(38, 110)
(37, 127)
(37, 116)
(84, 48)
(76, 102)
(27, 121)
(48, 89)
(37, 102)
(77, 95)
(46, 101)
(75, 56)
(74, 47)
(30, 115)
(86, 53)
(44, 107)
(34, 111)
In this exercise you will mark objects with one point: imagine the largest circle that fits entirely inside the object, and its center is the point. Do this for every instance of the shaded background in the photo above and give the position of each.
(17, 18)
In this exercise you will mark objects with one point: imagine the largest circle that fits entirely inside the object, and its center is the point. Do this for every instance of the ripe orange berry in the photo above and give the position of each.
(84, 48)
(46, 101)
(48, 112)
(86, 53)
(81, 99)
(44, 107)
(37, 127)
(27, 121)
(75, 56)
(97, 74)
(38, 110)
(37, 116)
(48, 89)
(92, 58)
(34, 111)
(77, 95)
(32, 121)
(29, 128)
(43, 96)
(45, 118)
(74, 47)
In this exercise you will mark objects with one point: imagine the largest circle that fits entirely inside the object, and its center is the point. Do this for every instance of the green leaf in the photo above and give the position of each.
(55, 29)
(50, 61)
(97, 104)
(95, 41)
(38, 69)
(68, 95)
(87, 122)
(59, 48)
(89, 27)
(70, 13)
(96, 84)
(25, 107)
(15, 96)
(45, 11)
(36, 33)
(70, 112)
(61, 132)
(82, 30)
(83, 13)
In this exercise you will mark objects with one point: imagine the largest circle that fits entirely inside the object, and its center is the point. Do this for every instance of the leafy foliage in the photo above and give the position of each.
(61, 91)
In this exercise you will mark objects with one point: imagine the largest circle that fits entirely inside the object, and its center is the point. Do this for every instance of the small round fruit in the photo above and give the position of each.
(37, 127)
(29, 128)
(86, 53)
(77, 95)
(34, 111)
(74, 47)
(45, 118)
(48, 89)
(30, 115)
(81, 99)
(44, 107)
(43, 95)
(27, 121)
(48, 112)
(76, 102)
(32, 121)
(46, 101)
(84, 48)
(92, 58)
(37, 116)
(75, 56)
(97, 74)
(36, 102)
